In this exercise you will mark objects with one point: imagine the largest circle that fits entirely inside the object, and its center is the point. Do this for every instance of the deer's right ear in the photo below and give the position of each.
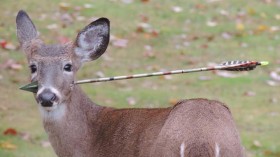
(26, 30)
(93, 40)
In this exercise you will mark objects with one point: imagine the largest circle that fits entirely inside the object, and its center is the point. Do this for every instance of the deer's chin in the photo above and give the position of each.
(54, 113)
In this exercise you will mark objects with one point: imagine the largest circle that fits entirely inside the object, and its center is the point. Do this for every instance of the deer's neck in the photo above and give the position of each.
(78, 118)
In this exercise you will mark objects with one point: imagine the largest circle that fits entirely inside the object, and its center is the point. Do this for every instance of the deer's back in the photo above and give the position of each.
(196, 127)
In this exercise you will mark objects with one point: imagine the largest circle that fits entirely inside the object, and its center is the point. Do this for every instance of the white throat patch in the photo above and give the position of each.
(54, 113)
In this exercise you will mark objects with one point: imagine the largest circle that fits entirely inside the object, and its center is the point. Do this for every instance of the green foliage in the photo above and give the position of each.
(202, 32)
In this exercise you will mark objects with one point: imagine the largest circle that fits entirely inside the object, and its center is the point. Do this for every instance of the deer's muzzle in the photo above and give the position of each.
(46, 98)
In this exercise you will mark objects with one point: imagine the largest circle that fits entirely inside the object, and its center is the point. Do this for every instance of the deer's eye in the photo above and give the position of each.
(33, 68)
(68, 67)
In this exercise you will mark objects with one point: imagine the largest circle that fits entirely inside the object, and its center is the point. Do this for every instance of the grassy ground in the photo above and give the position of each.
(203, 32)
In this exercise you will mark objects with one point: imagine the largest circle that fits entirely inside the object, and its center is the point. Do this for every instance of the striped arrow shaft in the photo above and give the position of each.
(229, 65)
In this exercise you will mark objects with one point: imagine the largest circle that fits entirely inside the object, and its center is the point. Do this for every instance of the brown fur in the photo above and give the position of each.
(80, 128)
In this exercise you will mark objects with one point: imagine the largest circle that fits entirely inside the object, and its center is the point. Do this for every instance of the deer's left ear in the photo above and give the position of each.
(93, 40)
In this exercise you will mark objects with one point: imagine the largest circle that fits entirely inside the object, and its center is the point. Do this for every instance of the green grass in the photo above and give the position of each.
(257, 117)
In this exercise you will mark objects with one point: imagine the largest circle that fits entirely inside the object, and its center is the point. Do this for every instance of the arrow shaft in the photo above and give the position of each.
(219, 67)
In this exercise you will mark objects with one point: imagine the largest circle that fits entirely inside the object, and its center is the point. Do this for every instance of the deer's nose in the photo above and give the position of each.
(46, 98)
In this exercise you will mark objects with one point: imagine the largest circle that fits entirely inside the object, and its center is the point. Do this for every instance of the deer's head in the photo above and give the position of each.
(54, 66)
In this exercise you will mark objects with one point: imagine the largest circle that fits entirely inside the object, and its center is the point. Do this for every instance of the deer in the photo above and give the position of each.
(78, 127)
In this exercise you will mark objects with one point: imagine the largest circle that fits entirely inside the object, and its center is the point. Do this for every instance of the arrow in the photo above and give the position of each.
(228, 66)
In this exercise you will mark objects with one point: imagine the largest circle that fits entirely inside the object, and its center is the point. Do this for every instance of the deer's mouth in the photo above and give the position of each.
(49, 108)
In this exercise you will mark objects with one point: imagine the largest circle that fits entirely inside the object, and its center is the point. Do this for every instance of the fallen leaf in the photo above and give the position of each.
(10, 131)
(244, 45)
(251, 11)
(261, 28)
(43, 17)
(271, 153)
(10, 46)
(144, 18)
(66, 20)
(99, 74)
(25, 136)
(8, 145)
(154, 33)
(167, 77)
(3, 43)
(148, 51)
(145, 1)
(205, 46)
(273, 100)
(277, 16)
(211, 23)
(45, 144)
(274, 28)
(148, 47)
(77, 8)
(131, 101)
(249, 93)
(143, 27)
(11, 64)
(63, 39)
(240, 27)
(224, 12)
(173, 101)
(212, 1)
(7, 45)
(268, 1)
(127, 1)
(87, 6)
(200, 6)
(122, 43)
(272, 83)
(186, 44)
(80, 18)
(257, 143)
(275, 75)
(263, 15)
(52, 26)
(64, 6)
(177, 9)
(226, 35)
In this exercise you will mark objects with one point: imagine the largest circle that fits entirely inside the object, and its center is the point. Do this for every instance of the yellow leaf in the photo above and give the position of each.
(8, 145)
(277, 16)
(173, 101)
(263, 15)
(240, 27)
(262, 28)
(251, 11)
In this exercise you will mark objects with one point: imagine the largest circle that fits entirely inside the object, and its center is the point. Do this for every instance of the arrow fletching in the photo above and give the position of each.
(240, 65)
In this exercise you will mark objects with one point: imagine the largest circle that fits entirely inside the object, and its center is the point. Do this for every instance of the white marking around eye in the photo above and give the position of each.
(182, 150)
